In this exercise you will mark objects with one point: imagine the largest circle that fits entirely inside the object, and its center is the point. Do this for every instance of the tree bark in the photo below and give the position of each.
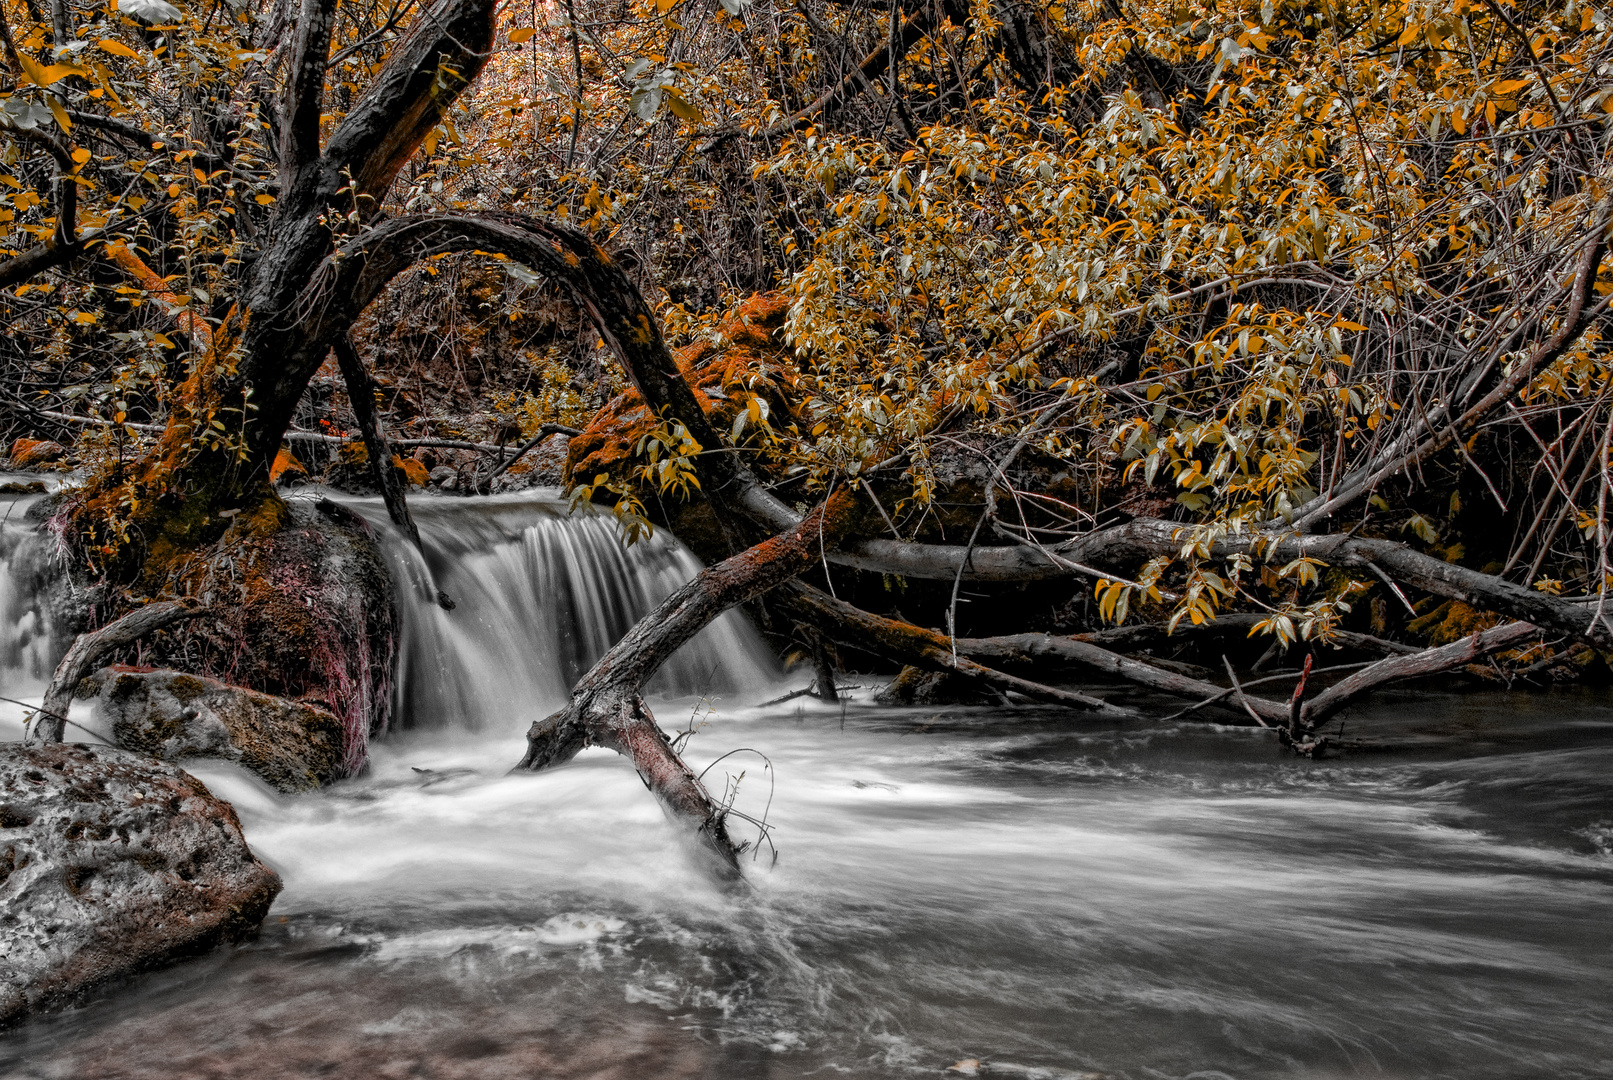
(607, 707)
(918, 647)
(88, 648)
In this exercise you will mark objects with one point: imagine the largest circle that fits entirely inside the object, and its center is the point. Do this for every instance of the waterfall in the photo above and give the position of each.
(540, 592)
(28, 648)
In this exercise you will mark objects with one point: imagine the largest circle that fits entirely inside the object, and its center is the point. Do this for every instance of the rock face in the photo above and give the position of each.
(173, 716)
(112, 863)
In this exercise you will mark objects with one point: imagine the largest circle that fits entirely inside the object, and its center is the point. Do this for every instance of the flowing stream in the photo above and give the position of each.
(963, 891)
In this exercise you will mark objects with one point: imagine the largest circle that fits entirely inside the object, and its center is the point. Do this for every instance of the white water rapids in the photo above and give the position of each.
(969, 891)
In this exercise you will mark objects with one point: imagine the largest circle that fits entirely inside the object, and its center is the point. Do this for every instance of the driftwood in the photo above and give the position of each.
(909, 644)
(88, 648)
(1047, 650)
(606, 706)
(1428, 662)
(1298, 717)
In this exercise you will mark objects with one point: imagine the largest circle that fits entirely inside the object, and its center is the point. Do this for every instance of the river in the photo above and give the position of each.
(959, 891)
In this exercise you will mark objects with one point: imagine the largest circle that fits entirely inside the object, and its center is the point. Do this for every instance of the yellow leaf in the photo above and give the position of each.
(1510, 86)
(81, 155)
(263, 200)
(45, 75)
(523, 34)
(116, 48)
(682, 108)
(58, 112)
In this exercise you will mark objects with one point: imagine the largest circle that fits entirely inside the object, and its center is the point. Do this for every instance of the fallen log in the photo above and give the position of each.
(607, 707)
(1397, 668)
(1041, 649)
(1144, 538)
(918, 647)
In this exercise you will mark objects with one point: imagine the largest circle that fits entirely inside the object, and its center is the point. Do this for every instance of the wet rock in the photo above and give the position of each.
(111, 863)
(915, 686)
(444, 475)
(292, 745)
(542, 466)
(303, 613)
(28, 453)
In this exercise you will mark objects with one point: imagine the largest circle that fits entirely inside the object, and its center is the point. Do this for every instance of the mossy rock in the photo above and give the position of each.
(292, 745)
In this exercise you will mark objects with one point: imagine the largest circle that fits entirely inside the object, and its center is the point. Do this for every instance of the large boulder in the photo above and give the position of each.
(302, 610)
(293, 745)
(304, 613)
(111, 863)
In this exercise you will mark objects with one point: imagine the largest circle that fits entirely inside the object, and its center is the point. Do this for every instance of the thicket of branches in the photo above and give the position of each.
(1267, 270)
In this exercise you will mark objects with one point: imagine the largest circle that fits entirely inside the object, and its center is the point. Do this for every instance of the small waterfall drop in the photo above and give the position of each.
(540, 592)
(28, 647)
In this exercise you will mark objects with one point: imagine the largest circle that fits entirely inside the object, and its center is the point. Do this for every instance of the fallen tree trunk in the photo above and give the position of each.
(1042, 649)
(1045, 650)
(607, 707)
(914, 645)
(1143, 538)
(1428, 662)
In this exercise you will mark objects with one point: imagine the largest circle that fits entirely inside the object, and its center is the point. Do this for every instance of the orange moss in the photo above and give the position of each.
(285, 462)
(413, 471)
(1452, 621)
(27, 453)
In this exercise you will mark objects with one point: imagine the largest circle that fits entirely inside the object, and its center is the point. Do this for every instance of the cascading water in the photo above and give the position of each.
(539, 594)
(967, 891)
(28, 649)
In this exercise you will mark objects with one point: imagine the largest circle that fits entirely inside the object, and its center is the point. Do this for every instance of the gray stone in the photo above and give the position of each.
(112, 863)
(293, 745)
(444, 474)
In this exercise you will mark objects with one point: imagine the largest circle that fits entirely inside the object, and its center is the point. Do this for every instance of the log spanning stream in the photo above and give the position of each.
(1012, 892)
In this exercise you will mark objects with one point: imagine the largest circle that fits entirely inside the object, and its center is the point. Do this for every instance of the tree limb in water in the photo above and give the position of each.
(919, 647)
(1428, 662)
(607, 707)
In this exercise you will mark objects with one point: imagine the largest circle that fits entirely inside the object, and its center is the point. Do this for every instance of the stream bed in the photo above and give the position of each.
(962, 891)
